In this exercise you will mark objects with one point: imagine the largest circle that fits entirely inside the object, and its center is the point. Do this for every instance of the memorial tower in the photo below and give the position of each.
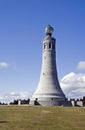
(48, 92)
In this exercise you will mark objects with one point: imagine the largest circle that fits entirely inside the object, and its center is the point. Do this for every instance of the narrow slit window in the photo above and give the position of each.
(49, 45)
(44, 46)
(53, 46)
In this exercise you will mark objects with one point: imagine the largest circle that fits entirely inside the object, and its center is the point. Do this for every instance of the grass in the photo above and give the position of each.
(42, 118)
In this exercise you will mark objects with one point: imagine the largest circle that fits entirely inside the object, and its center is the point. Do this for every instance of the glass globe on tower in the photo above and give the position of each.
(49, 30)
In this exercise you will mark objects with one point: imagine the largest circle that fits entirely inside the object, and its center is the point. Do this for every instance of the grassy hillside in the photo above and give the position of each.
(41, 118)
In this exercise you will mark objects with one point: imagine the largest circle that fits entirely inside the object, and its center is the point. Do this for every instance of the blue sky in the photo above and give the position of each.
(22, 24)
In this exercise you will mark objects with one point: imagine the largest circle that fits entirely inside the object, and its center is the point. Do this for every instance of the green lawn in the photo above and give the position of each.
(42, 118)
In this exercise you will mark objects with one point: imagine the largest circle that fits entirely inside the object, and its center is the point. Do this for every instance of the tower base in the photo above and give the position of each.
(50, 102)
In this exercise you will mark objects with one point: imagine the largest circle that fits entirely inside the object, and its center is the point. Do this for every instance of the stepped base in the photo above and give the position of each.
(50, 102)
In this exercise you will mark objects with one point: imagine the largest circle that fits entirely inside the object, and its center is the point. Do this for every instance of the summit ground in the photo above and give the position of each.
(42, 118)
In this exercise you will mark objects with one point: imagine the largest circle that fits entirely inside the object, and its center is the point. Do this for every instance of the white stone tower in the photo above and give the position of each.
(48, 92)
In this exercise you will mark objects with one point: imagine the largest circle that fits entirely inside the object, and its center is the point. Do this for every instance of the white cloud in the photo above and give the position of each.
(1, 98)
(8, 97)
(81, 65)
(3, 65)
(73, 85)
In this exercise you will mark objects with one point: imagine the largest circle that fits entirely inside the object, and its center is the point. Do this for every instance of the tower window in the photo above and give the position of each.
(53, 46)
(49, 45)
(44, 46)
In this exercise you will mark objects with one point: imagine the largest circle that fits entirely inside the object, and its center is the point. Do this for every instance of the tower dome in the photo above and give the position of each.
(49, 30)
